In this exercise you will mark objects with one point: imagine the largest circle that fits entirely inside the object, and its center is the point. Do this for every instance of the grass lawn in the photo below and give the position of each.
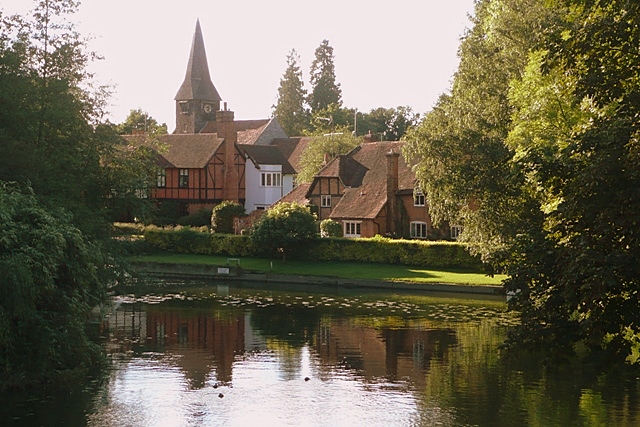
(350, 270)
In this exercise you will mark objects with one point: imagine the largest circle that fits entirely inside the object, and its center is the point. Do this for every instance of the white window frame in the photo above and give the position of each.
(183, 178)
(418, 197)
(325, 201)
(352, 228)
(418, 230)
(270, 179)
(455, 231)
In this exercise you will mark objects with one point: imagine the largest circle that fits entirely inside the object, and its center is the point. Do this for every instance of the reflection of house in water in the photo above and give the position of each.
(386, 352)
(195, 335)
(203, 341)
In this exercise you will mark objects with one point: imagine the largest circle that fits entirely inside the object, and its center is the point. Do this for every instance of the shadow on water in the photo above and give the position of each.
(184, 353)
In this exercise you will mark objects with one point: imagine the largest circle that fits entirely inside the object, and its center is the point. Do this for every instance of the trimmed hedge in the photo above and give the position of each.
(417, 253)
(382, 250)
(188, 241)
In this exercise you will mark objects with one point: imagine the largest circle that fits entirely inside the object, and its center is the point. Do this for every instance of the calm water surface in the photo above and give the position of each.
(183, 354)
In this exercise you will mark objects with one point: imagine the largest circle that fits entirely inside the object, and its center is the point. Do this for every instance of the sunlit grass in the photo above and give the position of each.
(347, 270)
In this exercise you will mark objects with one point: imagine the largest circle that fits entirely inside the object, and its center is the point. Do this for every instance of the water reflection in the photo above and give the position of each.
(240, 356)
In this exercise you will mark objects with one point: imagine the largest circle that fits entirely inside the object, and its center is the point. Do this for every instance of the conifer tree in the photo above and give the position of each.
(325, 91)
(291, 110)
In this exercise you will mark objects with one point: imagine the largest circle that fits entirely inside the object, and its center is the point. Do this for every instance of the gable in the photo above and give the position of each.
(267, 155)
(292, 149)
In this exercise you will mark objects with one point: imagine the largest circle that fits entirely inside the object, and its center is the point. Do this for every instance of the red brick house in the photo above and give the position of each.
(370, 191)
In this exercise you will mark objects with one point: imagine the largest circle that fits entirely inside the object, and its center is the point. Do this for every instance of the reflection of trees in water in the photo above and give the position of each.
(294, 325)
(447, 354)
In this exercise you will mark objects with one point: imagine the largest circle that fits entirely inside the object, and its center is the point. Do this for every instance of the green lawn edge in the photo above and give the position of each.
(345, 270)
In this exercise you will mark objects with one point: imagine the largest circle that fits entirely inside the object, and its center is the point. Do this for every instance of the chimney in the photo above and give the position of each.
(226, 129)
(326, 159)
(392, 189)
(370, 137)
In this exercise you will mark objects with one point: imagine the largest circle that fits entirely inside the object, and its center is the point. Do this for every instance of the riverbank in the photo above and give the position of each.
(348, 275)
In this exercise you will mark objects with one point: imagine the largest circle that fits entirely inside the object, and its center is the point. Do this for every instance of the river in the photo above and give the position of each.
(233, 354)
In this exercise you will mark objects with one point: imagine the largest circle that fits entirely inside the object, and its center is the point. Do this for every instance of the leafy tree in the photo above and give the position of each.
(49, 281)
(391, 123)
(584, 148)
(223, 215)
(52, 141)
(285, 228)
(50, 115)
(325, 91)
(140, 121)
(460, 146)
(322, 147)
(290, 109)
(535, 152)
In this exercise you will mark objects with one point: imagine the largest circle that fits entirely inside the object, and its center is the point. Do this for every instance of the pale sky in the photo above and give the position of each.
(387, 53)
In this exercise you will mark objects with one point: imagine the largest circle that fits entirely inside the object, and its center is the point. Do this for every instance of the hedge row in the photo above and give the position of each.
(375, 250)
(395, 251)
(190, 241)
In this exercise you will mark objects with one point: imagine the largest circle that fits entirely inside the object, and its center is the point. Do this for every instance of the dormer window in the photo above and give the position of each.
(418, 197)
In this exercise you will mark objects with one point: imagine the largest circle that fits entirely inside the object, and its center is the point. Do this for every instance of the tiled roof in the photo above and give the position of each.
(298, 195)
(188, 151)
(364, 172)
(268, 155)
(248, 130)
(292, 148)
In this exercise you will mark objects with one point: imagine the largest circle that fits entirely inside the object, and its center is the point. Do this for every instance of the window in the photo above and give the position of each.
(325, 201)
(351, 229)
(270, 179)
(183, 178)
(418, 197)
(161, 178)
(455, 231)
(142, 193)
(418, 230)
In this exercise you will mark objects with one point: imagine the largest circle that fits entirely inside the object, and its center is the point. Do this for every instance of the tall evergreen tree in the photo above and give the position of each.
(325, 91)
(291, 110)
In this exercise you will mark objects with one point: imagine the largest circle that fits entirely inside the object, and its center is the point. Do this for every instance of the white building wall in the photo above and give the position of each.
(257, 196)
(287, 184)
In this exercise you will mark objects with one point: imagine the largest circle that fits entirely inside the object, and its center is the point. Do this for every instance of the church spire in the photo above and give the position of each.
(197, 81)
(197, 99)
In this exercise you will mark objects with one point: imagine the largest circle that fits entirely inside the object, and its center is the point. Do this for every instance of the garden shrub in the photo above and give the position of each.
(221, 217)
(202, 218)
(330, 228)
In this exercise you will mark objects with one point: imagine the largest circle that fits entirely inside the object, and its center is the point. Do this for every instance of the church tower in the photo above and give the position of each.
(197, 99)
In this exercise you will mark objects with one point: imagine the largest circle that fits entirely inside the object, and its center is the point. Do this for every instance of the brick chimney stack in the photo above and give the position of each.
(226, 129)
(392, 189)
